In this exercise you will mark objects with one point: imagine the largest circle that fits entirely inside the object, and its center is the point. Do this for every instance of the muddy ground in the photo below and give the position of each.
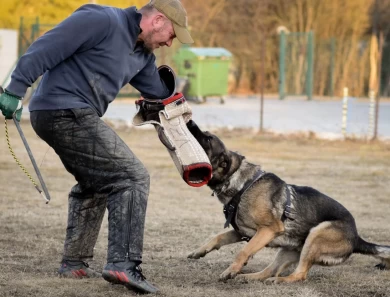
(180, 218)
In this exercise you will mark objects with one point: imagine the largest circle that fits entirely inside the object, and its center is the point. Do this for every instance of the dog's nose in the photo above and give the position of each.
(192, 126)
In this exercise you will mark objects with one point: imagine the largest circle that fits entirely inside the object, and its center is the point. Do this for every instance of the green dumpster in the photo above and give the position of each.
(203, 72)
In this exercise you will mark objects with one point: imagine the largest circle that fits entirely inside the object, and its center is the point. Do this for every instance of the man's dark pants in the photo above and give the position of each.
(108, 174)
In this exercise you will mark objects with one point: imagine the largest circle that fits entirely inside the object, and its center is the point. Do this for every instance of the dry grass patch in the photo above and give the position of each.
(180, 218)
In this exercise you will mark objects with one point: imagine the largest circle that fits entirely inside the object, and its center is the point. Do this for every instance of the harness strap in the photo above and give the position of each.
(230, 209)
(287, 208)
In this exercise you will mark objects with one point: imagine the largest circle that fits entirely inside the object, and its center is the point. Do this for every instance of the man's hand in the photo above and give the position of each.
(149, 109)
(11, 104)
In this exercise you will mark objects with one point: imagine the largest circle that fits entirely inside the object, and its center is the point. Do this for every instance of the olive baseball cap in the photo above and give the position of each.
(174, 10)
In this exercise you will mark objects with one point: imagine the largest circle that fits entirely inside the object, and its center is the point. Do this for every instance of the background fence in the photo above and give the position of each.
(305, 64)
(296, 64)
(308, 66)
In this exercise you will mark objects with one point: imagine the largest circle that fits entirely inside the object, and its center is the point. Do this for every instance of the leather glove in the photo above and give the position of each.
(149, 112)
(11, 104)
(149, 109)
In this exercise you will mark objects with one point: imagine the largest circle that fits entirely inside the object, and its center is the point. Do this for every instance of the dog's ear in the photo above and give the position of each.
(224, 163)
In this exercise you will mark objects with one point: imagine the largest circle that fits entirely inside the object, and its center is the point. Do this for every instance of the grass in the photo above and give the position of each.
(180, 218)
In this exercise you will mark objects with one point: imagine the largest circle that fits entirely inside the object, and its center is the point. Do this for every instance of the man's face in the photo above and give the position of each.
(162, 34)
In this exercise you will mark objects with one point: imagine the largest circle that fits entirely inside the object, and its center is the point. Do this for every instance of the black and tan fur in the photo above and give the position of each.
(319, 230)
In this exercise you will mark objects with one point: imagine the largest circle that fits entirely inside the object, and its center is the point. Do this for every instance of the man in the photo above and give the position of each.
(86, 60)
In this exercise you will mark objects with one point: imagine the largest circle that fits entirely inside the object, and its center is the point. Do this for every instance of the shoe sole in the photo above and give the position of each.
(119, 278)
(78, 274)
(110, 278)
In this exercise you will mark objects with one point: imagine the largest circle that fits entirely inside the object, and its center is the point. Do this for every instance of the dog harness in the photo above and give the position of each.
(287, 208)
(230, 209)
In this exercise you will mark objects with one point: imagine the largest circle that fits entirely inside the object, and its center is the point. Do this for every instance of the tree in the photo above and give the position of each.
(49, 11)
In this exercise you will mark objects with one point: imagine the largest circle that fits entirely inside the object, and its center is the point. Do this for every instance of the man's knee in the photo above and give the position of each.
(142, 177)
(134, 177)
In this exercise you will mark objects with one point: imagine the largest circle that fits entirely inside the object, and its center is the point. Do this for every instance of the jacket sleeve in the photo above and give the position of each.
(85, 28)
(149, 83)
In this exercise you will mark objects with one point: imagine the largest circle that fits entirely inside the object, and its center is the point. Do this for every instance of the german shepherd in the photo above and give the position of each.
(308, 226)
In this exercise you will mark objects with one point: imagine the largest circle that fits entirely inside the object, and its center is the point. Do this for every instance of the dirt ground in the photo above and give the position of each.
(180, 218)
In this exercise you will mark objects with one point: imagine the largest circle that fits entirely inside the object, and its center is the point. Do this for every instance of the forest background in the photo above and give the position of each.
(350, 46)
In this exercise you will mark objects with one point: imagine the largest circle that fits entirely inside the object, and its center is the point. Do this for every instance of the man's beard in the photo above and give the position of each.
(148, 44)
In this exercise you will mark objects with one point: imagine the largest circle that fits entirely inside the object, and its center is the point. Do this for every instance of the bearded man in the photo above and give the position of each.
(85, 61)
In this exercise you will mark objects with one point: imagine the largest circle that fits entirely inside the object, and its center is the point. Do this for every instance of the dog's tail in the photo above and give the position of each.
(378, 251)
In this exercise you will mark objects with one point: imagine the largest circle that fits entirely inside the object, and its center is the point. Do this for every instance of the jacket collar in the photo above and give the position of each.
(134, 21)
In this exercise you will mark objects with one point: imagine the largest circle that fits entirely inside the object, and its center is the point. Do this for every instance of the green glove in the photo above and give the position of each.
(11, 104)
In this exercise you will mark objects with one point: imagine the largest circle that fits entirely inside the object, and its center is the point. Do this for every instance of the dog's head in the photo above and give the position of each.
(223, 161)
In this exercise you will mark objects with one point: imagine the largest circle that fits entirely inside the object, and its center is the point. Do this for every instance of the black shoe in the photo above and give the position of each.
(128, 274)
(76, 269)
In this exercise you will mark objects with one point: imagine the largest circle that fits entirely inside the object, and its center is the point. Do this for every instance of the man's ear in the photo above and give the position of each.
(158, 21)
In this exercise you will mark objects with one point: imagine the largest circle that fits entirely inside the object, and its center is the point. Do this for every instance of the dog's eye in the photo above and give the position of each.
(209, 139)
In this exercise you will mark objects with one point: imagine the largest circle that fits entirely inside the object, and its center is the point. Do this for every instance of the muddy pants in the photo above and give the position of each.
(108, 174)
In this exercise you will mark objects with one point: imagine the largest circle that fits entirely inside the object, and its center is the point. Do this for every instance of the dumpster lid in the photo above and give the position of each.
(210, 51)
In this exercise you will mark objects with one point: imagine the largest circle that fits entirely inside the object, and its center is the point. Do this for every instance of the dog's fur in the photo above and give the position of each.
(319, 230)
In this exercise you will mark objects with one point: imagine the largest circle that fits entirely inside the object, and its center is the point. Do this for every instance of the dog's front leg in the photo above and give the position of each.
(262, 237)
(215, 243)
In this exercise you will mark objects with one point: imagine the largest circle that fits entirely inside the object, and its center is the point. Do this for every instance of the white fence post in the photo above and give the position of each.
(345, 112)
(371, 114)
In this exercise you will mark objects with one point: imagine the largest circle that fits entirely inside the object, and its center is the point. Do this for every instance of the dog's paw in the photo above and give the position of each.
(197, 254)
(242, 278)
(228, 274)
(292, 278)
(381, 266)
(272, 280)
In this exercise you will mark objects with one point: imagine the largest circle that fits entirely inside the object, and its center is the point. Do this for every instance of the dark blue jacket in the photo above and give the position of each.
(86, 60)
